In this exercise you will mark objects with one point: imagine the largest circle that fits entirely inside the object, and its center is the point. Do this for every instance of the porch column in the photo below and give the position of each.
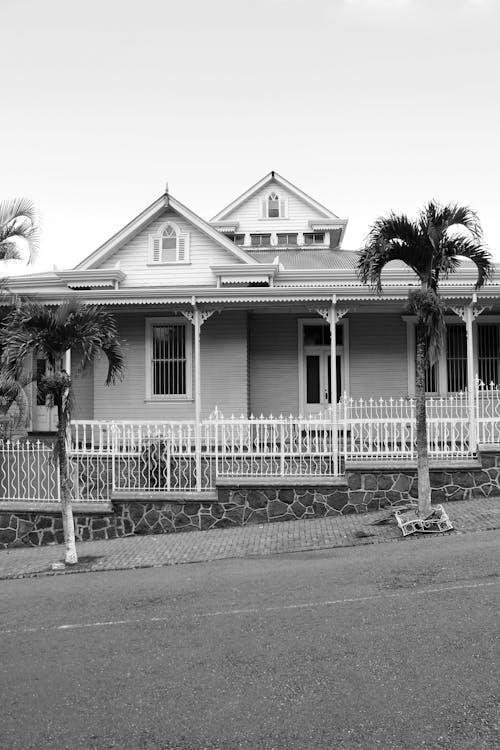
(332, 319)
(197, 317)
(468, 313)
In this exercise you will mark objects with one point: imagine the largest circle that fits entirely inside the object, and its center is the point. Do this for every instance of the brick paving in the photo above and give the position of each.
(217, 544)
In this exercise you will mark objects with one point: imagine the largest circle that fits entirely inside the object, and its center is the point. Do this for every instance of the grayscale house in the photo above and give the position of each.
(238, 330)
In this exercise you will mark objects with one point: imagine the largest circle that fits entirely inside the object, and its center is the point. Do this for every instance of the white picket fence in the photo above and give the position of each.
(110, 457)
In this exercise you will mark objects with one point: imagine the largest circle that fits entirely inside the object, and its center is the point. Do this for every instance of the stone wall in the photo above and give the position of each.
(360, 491)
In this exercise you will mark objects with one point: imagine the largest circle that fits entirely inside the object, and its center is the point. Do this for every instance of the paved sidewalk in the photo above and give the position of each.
(268, 539)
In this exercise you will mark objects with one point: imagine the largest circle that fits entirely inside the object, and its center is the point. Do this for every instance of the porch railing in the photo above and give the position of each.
(109, 457)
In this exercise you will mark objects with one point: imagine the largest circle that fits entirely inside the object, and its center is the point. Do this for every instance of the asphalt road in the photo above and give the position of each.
(389, 645)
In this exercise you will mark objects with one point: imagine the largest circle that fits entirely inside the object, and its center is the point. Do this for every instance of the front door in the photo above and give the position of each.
(316, 379)
(44, 416)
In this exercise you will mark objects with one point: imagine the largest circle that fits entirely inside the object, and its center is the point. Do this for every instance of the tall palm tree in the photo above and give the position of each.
(432, 246)
(34, 329)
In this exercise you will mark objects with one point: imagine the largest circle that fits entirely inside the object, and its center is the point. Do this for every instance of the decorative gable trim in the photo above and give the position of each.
(146, 217)
(272, 177)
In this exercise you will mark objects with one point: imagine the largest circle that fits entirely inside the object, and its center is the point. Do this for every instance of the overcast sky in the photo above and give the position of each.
(367, 105)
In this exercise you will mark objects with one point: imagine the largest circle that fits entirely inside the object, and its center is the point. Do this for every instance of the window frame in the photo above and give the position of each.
(287, 235)
(313, 236)
(261, 234)
(150, 323)
(158, 237)
(442, 361)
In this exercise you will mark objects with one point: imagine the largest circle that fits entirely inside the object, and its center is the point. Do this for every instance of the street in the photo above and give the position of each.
(389, 645)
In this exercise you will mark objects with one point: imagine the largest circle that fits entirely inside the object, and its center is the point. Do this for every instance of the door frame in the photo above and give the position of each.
(343, 351)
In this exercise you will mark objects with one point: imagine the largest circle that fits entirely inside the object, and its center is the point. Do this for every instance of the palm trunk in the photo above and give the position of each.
(423, 475)
(65, 486)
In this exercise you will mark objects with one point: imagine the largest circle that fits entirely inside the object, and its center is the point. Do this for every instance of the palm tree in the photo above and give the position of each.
(431, 246)
(18, 224)
(34, 329)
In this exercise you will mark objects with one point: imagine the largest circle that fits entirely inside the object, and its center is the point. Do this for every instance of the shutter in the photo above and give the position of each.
(155, 253)
(183, 248)
(263, 209)
(284, 208)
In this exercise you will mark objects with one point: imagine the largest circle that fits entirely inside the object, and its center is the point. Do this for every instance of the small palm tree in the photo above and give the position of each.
(431, 246)
(18, 224)
(34, 329)
(18, 221)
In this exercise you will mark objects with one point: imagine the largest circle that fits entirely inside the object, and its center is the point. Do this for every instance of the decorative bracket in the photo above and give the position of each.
(460, 311)
(325, 312)
(476, 311)
(204, 315)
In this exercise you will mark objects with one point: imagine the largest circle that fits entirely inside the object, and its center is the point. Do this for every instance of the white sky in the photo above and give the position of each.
(368, 105)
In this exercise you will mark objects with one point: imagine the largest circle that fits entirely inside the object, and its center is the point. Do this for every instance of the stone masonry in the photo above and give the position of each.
(361, 491)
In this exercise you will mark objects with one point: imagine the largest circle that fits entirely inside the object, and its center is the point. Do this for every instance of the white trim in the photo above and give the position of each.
(149, 323)
(267, 179)
(164, 203)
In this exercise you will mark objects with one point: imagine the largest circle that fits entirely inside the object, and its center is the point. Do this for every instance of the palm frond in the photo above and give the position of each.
(464, 247)
(19, 220)
(50, 332)
(391, 238)
(437, 219)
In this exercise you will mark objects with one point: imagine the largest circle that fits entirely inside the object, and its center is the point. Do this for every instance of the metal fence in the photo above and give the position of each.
(28, 472)
(107, 457)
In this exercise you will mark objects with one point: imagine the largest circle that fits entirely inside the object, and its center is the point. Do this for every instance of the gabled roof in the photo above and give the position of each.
(276, 178)
(149, 214)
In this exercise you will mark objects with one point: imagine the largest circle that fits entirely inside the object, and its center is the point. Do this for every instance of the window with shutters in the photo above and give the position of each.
(168, 359)
(169, 246)
(274, 207)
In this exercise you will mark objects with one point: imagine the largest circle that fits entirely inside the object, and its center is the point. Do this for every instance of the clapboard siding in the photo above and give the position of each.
(250, 220)
(204, 252)
(378, 358)
(273, 353)
(223, 373)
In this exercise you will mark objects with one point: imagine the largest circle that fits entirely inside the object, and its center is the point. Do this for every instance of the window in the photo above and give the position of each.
(169, 246)
(488, 352)
(287, 239)
(274, 207)
(168, 358)
(318, 334)
(456, 358)
(449, 373)
(314, 238)
(238, 239)
(260, 240)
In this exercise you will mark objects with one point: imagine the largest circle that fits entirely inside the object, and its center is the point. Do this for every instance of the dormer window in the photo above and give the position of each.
(274, 207)
(260, 240)
(314, 238)
(169, 246)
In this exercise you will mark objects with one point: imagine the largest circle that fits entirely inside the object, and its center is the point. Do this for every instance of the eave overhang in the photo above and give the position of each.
(248, 296)
(264, 273)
